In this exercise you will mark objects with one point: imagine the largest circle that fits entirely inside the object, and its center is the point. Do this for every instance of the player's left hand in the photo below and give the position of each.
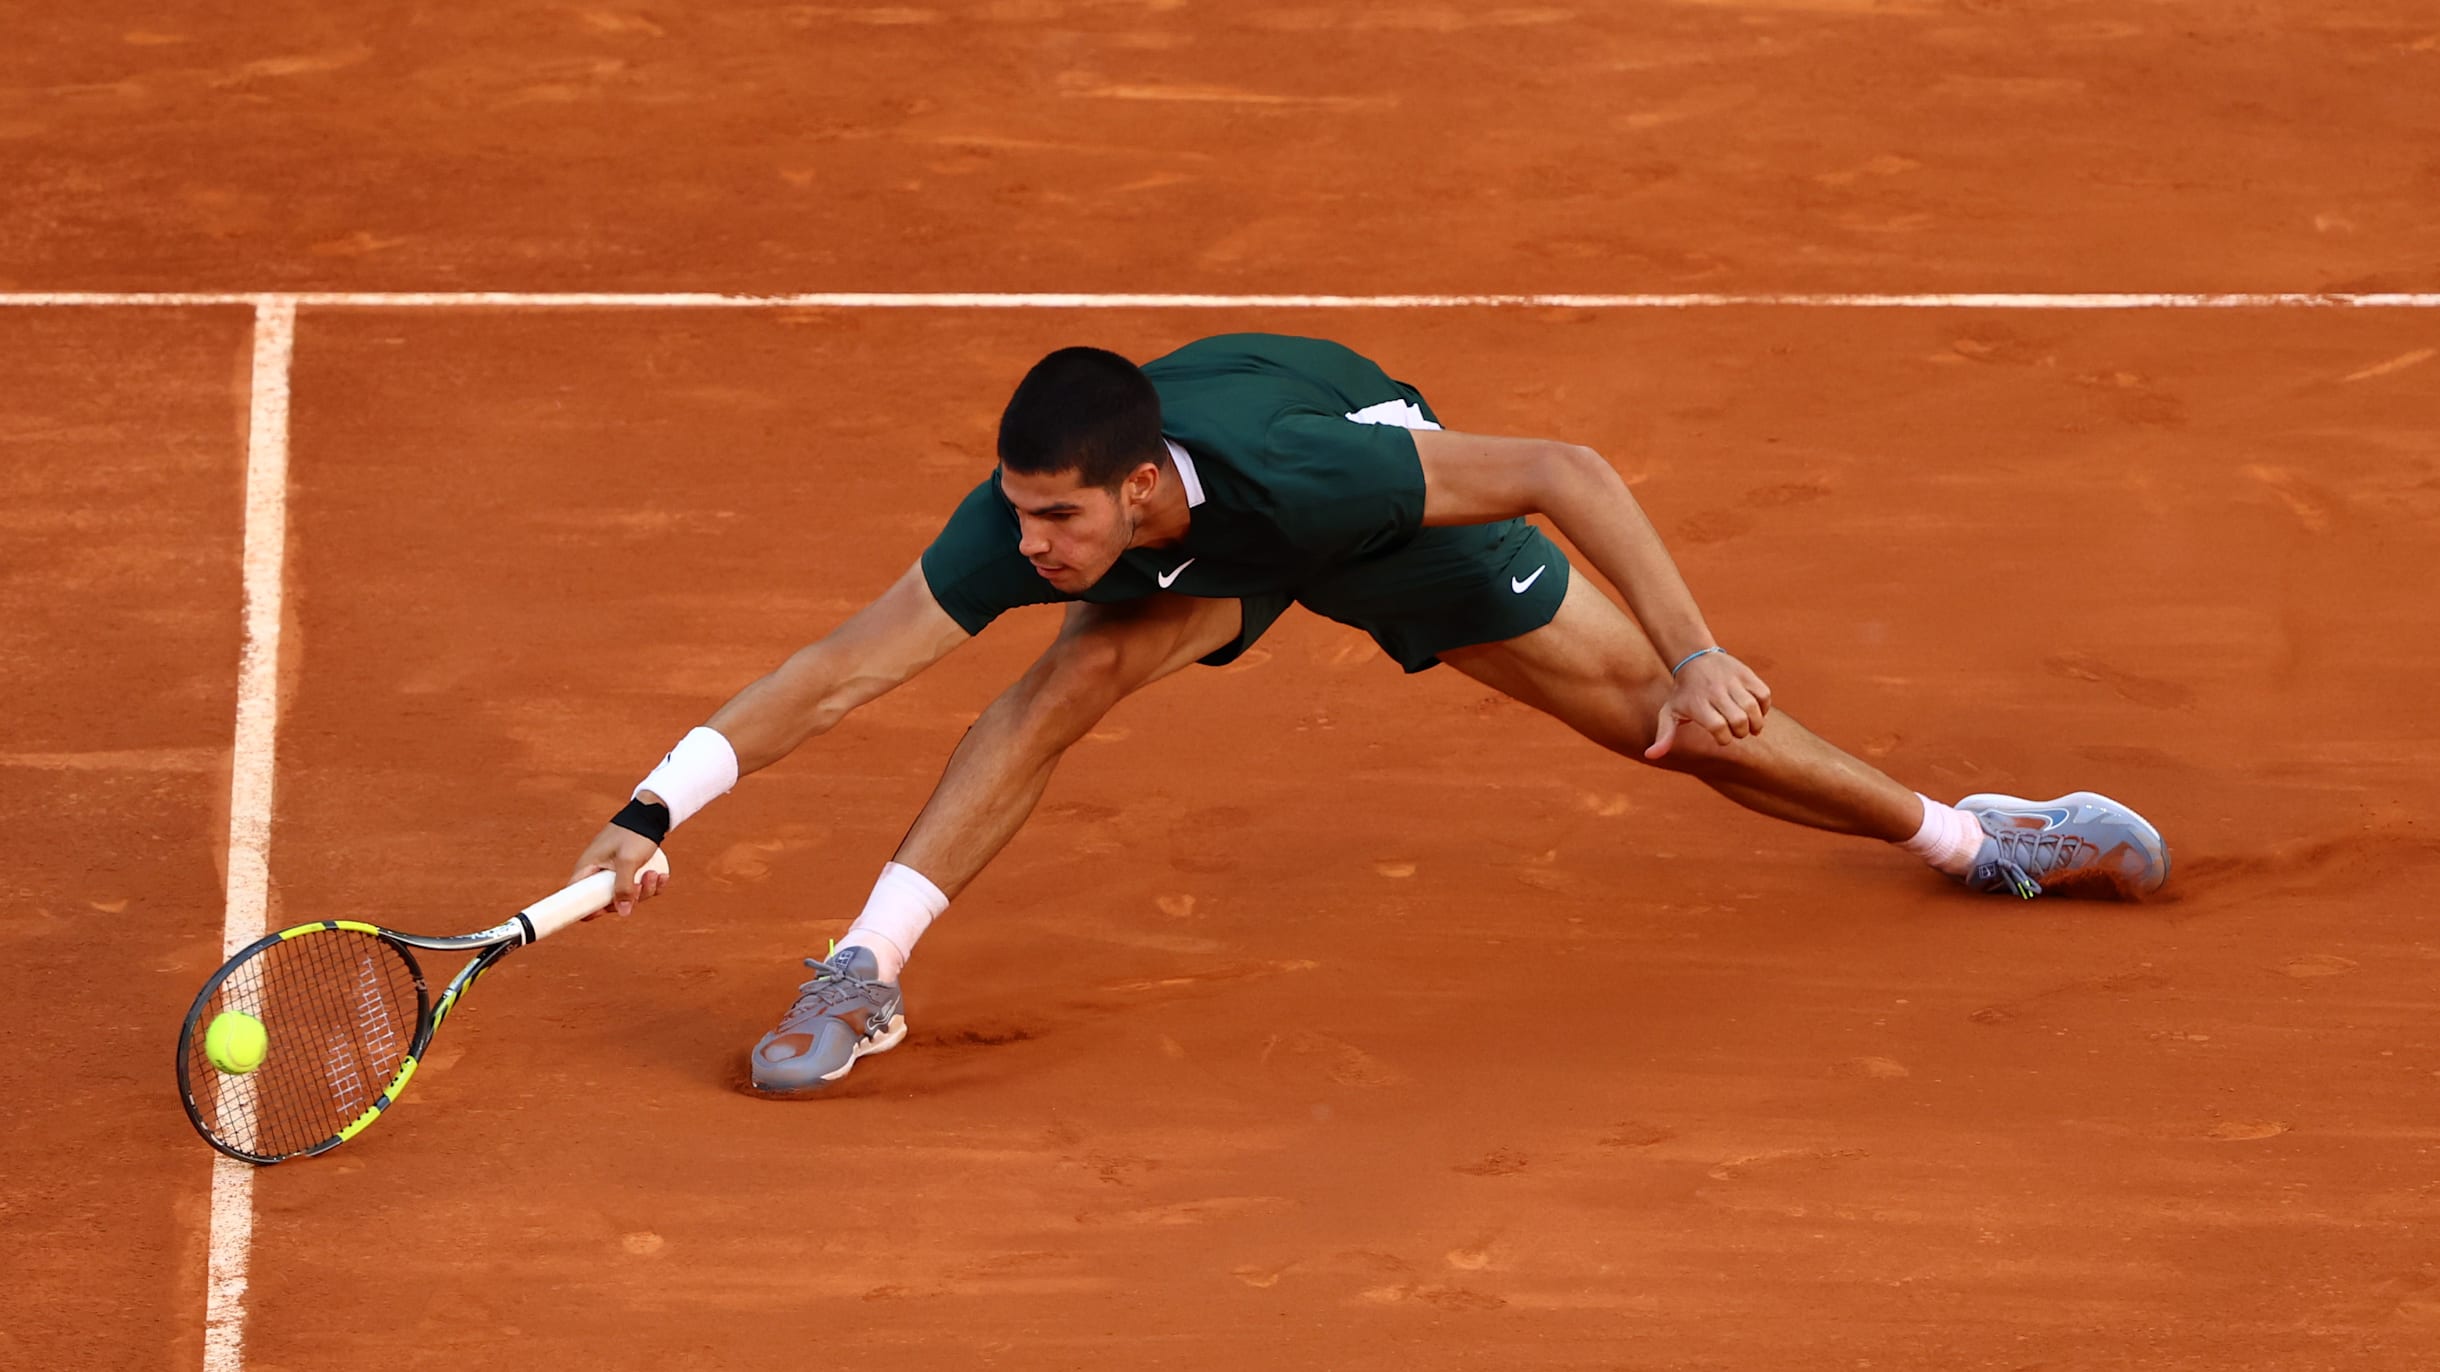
(1715, 693)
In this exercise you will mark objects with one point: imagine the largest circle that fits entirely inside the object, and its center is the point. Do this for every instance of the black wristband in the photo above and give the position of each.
(649, 818)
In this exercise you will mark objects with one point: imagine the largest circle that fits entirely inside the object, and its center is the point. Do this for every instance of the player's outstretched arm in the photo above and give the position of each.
(880, 646)
(1478, 479)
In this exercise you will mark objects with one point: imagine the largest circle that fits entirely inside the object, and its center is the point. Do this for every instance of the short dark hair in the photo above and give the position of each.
(1083, 410)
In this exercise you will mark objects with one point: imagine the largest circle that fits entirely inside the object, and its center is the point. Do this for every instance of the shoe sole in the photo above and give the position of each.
(889, 1038)
(2154, 846)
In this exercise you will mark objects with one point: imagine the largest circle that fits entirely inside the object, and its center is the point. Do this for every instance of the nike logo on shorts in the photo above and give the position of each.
(1172, 574)
(1521, 587)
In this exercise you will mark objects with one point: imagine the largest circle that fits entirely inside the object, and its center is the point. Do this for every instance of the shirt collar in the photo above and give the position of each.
(1187, 477)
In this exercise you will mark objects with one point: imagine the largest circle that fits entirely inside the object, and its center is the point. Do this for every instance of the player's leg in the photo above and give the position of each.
(1500, 603)
(1592, 668)
(1103, 652)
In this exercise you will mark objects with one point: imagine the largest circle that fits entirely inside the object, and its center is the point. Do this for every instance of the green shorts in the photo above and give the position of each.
(1451, 587)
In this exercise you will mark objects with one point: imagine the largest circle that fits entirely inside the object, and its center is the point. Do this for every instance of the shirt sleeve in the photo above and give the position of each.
(1344, 489)
(974, 569)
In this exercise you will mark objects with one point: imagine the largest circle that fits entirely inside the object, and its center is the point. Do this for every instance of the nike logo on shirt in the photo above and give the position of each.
(1172, 574)
(1520, 587)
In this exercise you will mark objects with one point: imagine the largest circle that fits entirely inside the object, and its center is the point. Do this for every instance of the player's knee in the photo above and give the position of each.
(1694, 752)
(1626, 731)
(1079, 677)
(1639, 725)
(1087, 663)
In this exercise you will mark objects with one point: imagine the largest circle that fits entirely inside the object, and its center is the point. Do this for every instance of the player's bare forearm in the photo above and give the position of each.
(1593, 507)
(1470, 479)
(1474, 479)
(801, 699)
(881, 646)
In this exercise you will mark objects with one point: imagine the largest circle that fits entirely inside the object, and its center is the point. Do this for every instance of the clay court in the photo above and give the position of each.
(1323, 1017)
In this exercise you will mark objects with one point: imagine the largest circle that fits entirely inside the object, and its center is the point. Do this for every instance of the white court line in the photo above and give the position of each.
(250, 778)
(903, 300)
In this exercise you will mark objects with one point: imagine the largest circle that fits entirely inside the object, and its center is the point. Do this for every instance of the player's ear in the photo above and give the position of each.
(1138, 485)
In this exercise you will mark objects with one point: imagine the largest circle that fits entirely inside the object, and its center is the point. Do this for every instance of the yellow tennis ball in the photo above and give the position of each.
(235, 1042)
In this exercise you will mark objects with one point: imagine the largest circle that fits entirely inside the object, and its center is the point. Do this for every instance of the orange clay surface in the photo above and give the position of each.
(1323, 1017)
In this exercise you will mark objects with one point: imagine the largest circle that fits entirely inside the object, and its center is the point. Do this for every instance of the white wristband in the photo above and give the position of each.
(700, 770)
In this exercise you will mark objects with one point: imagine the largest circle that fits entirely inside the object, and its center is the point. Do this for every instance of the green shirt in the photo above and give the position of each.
(1283, 479)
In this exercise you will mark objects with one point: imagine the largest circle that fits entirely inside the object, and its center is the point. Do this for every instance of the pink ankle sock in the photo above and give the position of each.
(1949, 838)
(903, 904)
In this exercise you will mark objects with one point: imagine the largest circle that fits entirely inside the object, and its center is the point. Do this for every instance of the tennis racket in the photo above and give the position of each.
(346, 1016)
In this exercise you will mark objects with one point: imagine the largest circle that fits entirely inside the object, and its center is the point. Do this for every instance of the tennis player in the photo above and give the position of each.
(1178, 510)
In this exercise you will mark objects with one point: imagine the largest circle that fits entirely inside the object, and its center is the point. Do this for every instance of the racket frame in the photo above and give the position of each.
(530, 925)
(488, 949)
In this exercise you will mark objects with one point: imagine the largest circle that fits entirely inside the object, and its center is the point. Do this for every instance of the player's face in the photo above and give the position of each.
(1074, 533)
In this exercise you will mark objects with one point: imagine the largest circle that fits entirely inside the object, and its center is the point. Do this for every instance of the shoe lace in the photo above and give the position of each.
(831, 985)
(2028, 854)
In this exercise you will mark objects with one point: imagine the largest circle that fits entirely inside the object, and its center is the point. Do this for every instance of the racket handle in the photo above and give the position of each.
(590, 896)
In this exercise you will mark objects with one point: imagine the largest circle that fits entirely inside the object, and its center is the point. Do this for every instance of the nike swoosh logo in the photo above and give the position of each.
(1521, 587)
(1172, 574)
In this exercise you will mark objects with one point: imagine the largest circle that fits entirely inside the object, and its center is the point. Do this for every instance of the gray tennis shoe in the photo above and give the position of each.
(845, 1012)
(2079, 844)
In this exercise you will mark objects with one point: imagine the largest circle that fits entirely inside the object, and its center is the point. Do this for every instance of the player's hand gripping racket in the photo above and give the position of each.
(333, 1016)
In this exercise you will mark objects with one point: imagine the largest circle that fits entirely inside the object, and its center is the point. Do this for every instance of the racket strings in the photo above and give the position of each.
(340, 1009)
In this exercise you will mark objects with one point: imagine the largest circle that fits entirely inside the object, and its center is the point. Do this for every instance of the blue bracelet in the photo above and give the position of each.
(1692, 656)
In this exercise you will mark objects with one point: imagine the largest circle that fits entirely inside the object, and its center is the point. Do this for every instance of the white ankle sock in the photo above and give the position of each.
(1949, 838)
(903, 904)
